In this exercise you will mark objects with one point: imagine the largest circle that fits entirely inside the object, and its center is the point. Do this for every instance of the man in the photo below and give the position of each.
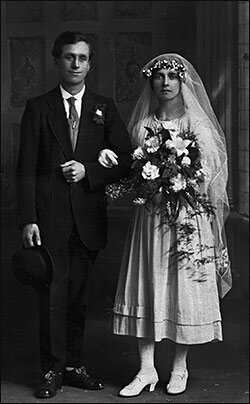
(61, 202)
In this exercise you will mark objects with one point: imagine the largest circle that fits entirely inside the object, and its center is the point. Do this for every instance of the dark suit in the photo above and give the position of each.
(72, 218)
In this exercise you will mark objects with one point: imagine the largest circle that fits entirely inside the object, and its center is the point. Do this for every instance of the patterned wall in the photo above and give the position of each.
(124, 34)
(27, 63)
(132, 9)
(25, 11)
(78, 10)
(243, 111)
(132, 49)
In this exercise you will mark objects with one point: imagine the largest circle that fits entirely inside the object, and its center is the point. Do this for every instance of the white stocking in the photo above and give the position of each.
(146, 349)
(180, 359)
(147, 375)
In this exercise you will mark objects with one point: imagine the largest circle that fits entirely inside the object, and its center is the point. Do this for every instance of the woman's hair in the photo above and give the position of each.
(67, 38)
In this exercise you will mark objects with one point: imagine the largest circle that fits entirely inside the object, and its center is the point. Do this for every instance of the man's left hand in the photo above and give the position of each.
(73, 171)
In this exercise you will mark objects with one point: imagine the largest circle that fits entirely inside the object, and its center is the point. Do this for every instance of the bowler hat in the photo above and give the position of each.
(33, 266)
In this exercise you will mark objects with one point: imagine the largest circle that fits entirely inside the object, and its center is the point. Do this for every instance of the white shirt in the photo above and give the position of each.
(78, 102)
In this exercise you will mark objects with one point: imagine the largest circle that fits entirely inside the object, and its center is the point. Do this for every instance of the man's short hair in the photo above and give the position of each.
(67, 38)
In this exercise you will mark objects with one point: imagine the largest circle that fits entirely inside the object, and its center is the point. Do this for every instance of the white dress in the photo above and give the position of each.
(157, 295)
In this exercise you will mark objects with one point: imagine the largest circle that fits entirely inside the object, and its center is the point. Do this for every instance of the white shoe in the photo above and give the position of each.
(178, 382)
(139, 383)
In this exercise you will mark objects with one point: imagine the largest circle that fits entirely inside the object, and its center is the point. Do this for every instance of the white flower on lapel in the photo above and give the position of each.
(99, 113)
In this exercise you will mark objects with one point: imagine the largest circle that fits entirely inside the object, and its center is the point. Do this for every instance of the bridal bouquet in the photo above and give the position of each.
(166, 175)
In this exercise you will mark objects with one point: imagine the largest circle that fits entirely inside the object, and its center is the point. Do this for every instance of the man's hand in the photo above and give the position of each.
(107, 158)
(31, 235)
(73, 171)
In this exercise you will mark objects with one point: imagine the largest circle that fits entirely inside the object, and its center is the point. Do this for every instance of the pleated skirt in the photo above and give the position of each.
(160, 295)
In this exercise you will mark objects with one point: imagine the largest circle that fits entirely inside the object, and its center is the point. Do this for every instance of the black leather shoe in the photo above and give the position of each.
(49, 385)
(78, 377)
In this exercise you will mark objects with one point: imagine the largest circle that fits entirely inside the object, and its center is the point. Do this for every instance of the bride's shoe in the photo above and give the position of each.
(139, 383)
(178, 382)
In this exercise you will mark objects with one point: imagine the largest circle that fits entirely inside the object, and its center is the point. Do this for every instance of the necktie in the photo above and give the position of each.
(73, 121)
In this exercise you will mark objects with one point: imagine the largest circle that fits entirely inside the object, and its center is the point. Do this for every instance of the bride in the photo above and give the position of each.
(157, 295)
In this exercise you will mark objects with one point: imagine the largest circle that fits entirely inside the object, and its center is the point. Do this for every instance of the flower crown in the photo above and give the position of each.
(166, 64)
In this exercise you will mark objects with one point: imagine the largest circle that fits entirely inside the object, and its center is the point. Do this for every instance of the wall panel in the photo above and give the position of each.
(124, 35)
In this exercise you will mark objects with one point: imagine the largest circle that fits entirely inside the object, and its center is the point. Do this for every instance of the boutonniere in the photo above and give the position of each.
(99, 111)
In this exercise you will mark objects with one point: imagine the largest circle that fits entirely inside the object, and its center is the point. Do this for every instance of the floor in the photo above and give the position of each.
(218, 372)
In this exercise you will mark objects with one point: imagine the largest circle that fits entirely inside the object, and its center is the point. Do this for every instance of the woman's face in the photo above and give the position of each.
(166, 84)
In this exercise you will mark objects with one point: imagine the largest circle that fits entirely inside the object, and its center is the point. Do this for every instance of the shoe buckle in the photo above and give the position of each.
(49, 375)
(80, 370)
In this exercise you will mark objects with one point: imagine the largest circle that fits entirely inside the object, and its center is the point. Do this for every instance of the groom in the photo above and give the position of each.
(61, 203)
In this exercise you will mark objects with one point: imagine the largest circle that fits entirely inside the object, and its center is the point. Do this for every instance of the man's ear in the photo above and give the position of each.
(56, 61)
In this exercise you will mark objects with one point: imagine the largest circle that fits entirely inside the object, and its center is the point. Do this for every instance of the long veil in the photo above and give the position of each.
(197, 105)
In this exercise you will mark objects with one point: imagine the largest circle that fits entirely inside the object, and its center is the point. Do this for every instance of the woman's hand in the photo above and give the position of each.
(107, 158)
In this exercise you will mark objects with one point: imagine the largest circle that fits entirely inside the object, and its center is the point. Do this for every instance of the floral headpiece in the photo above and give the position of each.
(166, 64)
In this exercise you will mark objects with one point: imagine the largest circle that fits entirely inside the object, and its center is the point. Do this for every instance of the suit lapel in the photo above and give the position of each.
(58, 122)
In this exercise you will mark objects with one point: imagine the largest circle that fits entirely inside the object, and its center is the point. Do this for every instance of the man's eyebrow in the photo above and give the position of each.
(76, 54)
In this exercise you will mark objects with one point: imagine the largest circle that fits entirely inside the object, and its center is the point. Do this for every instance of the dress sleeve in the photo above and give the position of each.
(212, 160)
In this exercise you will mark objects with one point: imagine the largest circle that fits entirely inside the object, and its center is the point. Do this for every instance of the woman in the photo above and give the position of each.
(158, 295)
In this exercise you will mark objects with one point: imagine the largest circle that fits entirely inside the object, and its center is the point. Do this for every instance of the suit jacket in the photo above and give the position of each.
(44, 196)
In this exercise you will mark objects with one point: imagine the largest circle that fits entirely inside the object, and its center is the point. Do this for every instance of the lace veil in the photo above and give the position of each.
(198, 107)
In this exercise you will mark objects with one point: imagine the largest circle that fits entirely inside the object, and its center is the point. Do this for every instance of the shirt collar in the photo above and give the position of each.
(66, 95)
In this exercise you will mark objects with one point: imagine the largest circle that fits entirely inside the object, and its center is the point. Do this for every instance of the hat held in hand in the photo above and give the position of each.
(33, 266)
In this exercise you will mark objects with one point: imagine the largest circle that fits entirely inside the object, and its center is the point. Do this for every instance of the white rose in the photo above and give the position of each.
(150, 171)
(186, 161)
(178, 182)
(152, 144)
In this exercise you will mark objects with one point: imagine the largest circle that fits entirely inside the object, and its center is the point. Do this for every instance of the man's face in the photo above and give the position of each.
(73, 65)
(166, 84)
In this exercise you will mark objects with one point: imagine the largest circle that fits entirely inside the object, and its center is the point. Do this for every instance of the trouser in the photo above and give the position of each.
(62, 307)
